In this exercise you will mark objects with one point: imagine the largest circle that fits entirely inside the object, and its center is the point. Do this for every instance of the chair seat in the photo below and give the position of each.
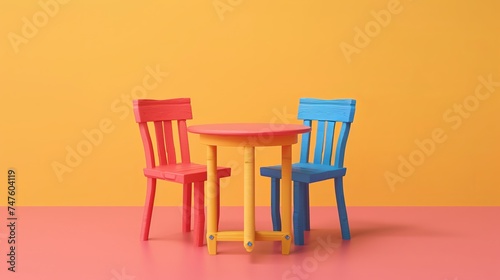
(305, 172)
(184, 172)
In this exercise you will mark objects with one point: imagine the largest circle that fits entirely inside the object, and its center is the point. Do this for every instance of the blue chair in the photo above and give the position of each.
(327, 114)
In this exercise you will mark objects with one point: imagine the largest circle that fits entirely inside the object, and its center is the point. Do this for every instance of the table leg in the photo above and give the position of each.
(286, 198)
(211, 200)
(249, 198)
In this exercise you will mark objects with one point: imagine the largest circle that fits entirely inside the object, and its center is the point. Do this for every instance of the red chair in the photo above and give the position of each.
(163, 114)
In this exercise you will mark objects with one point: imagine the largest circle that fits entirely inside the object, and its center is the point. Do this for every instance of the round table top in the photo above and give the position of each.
(248, 129)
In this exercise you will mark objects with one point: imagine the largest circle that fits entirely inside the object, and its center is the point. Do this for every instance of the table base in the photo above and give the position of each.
(264, 235)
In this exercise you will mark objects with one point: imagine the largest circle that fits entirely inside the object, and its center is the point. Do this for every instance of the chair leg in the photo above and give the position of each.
(148, 208)
(199, 213)
(339, 194)
(186, 208)
(298, 213)
(275, 204)
(307, 216)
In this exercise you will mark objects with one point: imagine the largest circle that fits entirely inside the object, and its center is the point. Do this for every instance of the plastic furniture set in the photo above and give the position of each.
(320, 118)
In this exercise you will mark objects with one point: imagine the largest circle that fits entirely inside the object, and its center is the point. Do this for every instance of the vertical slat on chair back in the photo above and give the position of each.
(342, 142)
(325, 114)
(148, 145)
(306, 140)
(330, 130)
(183, 141)
(320, 138)
(169, 141)
(162, 113)
(160, 142)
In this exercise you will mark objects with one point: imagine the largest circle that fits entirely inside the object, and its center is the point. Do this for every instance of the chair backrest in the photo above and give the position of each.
(327, 114)
(163, 113)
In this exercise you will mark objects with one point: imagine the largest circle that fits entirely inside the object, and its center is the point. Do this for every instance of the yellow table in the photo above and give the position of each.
(249, 136)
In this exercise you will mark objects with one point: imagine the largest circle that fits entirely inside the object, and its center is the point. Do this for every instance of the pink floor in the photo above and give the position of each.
(91, 243)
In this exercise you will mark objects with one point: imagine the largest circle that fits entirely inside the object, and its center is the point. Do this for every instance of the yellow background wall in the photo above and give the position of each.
(72, 66)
